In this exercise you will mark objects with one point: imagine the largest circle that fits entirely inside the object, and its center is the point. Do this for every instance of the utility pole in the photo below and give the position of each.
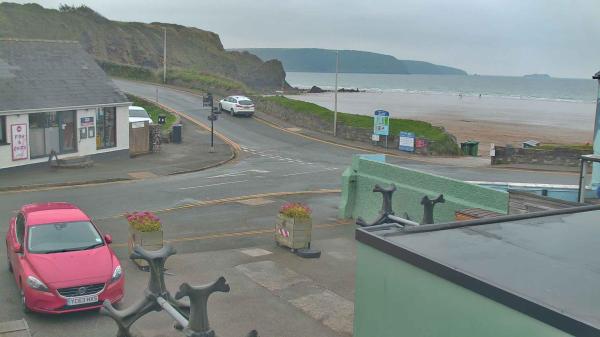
(337, 70)
(165, 56)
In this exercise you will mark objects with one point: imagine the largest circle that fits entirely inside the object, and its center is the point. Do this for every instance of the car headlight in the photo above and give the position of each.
(36, 284)
(116, 274)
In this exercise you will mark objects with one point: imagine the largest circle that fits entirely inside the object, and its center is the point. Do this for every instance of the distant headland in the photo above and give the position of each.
(351, 61)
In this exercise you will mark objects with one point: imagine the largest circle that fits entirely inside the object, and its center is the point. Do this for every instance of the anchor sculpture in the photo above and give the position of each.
(386, 207)
(428, 205)
(387, 216)
(191, 319)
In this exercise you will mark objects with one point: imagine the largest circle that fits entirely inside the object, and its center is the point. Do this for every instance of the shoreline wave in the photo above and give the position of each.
(449, 93)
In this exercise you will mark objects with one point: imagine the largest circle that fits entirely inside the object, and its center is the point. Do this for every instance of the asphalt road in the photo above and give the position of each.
(271, 162)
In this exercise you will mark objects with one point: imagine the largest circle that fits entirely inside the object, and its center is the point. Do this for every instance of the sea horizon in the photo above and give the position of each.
(510, 87)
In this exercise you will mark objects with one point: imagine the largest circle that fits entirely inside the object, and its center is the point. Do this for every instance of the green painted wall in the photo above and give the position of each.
(396, 299)
(359, 200)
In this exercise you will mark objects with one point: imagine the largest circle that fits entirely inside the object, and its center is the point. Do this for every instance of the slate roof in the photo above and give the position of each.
(41, 74)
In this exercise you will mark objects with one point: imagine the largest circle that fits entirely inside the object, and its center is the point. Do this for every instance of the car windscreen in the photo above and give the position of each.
(63, 237)
(138, 113)
(245, 102)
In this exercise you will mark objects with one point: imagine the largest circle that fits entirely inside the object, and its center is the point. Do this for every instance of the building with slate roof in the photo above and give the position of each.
(54, 97)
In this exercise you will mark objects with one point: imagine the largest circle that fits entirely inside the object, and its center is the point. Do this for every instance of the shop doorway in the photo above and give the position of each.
(52, 131)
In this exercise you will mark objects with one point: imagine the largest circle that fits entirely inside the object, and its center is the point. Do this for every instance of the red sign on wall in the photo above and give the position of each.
(19, 142)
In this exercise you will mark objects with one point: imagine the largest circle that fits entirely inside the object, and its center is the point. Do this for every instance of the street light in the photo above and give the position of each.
(337, 70)
(165, 55)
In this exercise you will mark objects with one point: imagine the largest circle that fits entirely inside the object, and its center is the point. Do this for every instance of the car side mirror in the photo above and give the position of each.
(108, 238)
(17, 248)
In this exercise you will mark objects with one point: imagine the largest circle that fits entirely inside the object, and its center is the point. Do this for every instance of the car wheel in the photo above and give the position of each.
(232, 112)
(24, 307)
(220, 107)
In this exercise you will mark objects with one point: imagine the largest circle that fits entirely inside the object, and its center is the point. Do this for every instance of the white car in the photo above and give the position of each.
(138, 114)
(237, 105)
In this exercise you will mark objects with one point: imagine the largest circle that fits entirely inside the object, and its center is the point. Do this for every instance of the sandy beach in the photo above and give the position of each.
(487, 119)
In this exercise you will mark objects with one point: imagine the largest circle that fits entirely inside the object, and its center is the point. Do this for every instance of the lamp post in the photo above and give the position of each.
(165, 55)
(596, 166)
(337, 70)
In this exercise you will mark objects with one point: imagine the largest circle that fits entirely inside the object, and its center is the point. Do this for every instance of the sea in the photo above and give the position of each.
(554, 89)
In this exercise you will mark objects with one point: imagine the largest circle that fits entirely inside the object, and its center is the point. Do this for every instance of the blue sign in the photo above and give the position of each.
(407, 141)
(381, 123)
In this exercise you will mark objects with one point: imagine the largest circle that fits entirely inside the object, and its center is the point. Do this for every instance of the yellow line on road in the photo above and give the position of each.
(258, 232)
(202, 203)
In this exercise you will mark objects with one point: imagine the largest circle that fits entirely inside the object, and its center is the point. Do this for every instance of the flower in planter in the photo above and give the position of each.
(295, 210)
(144, 221)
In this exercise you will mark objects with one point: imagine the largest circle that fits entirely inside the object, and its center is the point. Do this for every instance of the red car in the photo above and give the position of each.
(60, 261)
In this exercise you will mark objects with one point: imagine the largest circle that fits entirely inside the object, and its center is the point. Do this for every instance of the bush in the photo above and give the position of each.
(295, 210)
(144, 221)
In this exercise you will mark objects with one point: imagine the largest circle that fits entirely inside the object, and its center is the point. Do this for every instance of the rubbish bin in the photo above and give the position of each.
(470, 148)
(176, 134)
(474, 148)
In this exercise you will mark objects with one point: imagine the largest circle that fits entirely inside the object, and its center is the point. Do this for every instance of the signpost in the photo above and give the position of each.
(381, 124)
(407, 141)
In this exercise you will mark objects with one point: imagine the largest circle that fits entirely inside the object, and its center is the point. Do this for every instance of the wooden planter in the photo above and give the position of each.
(147, 240)
(292, 232)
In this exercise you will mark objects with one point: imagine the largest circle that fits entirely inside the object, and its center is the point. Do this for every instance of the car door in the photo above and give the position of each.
(17, 236)
(225, 104)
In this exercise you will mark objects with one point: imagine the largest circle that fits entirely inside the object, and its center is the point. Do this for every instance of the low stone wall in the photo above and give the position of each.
(313, 122)
(554, 157)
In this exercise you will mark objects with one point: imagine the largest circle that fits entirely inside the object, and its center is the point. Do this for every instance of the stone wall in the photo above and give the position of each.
(553, 157)
(316, 123)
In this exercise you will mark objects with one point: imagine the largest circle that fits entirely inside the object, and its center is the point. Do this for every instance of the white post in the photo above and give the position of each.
(165, 56)
(596, 166)
(337, 69)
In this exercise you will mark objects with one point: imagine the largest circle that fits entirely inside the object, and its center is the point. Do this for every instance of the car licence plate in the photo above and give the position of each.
(82, 300)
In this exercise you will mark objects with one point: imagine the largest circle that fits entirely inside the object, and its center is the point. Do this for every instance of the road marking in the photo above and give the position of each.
(209, 185)
(238, 173)
(203, 203)
(301, 173)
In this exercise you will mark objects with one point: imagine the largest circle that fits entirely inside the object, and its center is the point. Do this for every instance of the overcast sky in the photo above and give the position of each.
(497, 37)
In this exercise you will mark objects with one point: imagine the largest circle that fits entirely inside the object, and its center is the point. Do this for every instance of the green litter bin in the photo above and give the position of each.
(470, 148)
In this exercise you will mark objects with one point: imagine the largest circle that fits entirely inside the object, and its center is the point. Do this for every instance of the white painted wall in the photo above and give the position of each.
(84, 146)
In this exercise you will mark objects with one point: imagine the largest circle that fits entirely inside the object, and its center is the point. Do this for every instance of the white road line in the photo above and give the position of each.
(311, 172)
(209, 185)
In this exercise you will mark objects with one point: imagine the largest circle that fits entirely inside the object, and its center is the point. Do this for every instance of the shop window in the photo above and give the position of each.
(106, 128)
(52, 131)
(3, 132)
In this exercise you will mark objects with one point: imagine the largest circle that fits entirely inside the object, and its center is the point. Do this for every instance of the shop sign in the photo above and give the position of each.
(86, 121)
(19, 142)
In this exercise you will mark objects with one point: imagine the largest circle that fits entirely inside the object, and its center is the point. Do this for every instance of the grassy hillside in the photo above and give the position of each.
(441, 141)
(351, 61)
(116, 44)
